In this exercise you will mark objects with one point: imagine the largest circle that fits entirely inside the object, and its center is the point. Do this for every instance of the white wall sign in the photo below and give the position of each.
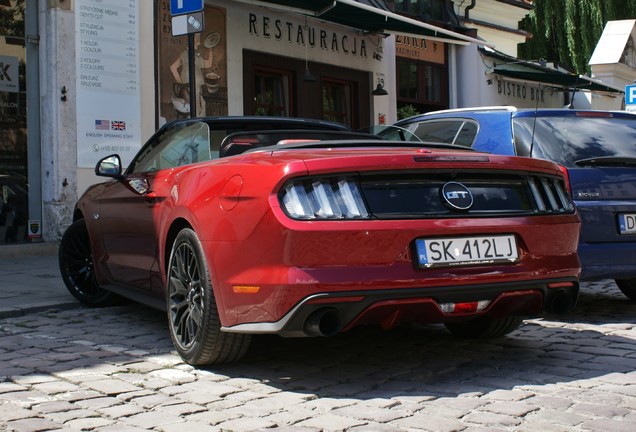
(9, 74)
(107, 83)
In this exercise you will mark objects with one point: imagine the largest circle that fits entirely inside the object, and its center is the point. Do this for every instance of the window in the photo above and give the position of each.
(458, 132)
(422, 84)
(336, 101)
(271, 93)
(177, 147)
(432, 9)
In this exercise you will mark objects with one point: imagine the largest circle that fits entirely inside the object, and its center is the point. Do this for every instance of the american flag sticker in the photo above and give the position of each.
(102, 124)
(118, 125)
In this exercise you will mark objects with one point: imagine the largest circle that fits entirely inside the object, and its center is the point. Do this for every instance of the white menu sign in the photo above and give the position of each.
(107, 80)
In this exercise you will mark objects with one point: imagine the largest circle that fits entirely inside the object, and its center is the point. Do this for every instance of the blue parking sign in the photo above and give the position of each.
(179, 7)
(630, 94)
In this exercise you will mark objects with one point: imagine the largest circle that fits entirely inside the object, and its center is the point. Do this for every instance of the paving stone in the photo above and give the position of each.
(367, 413)
(123, 410)
(516, 409)
(492, 419)
(605, 411)
(9, 412)
(213, 417)
(181, 409)
(98, 402)
(26, 399)
(88, 423)
(54, 406)
(34, 424)
(66, 416)
(246, 424)
(54, 387)
(559, 417)
(151, 401)
(329, 422)
(190, 426)
(152, 419)
(8, 387)
(429, 423)
(174, 376)
(608, 425)
(291, 417)
(111, 387)
(555, 403)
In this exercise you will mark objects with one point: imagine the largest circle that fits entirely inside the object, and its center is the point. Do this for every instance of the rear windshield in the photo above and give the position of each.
(567, 139)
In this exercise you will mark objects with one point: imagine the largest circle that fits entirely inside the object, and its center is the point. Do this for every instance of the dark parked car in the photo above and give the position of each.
(314, 232)
(598, 152)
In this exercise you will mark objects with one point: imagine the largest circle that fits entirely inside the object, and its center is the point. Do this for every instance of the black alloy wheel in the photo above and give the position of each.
(77, 269)
(195, 327)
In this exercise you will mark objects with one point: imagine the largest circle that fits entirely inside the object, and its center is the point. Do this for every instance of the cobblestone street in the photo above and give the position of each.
(114, 369)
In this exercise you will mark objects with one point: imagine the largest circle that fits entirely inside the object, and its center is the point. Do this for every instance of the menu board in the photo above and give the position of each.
(107, 80)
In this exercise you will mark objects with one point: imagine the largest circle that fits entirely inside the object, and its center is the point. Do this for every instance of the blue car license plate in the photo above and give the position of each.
(627, 223)
(466, 250)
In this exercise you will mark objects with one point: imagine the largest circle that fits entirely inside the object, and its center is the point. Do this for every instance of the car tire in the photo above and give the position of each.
(77, 269)
(484, 327)
(195, 327)
(628, 287)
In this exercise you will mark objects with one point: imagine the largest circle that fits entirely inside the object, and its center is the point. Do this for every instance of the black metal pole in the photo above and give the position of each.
(191, 66)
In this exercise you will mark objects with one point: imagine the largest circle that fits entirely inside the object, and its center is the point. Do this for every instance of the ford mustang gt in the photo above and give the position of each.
(597, 150)
(302, 229)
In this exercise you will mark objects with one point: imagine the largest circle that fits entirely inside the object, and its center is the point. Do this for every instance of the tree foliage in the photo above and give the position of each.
(567, 31)
(12, 19)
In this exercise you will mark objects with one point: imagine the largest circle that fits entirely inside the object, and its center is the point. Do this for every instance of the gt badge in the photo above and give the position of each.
(457, 196)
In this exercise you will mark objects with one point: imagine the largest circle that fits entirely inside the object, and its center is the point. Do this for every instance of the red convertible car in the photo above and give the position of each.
(242, 226)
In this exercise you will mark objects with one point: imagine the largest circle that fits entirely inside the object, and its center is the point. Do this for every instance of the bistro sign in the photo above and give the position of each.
(520, 90)
(307, 35)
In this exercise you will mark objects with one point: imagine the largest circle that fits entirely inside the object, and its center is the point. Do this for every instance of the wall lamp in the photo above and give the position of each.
(379, 91)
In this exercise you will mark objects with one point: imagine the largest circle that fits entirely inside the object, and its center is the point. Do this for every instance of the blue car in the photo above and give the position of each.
(596, 150)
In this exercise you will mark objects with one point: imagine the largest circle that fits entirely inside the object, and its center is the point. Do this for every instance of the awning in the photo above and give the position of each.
(369, 15)
(526, 70)
(559, 79)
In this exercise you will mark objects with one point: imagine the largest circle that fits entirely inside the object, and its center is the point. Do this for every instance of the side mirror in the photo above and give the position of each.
(110, 166)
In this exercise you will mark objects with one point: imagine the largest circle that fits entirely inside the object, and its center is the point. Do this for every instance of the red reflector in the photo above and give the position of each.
(447, 158)
(593, 114)
(468, 307)
(560, 284)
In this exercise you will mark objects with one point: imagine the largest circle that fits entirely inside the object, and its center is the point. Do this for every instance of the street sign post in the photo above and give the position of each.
(630, 98)
(179, 7)
(186, 24)
(187, 18)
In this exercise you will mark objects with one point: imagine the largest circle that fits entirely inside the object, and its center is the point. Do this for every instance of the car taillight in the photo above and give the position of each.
(564, 170)
(325, 198)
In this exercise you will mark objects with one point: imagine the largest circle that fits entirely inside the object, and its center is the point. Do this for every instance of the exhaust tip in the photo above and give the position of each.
(561, 303)
(323, 322)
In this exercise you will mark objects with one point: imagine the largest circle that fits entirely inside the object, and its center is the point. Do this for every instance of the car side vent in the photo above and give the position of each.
(550, 195)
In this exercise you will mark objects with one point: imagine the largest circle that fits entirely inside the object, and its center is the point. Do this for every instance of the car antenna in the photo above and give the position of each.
(534, 121)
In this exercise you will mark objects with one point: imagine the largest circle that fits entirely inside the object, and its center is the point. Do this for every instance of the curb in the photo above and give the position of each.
(26, 310)
(28, 249)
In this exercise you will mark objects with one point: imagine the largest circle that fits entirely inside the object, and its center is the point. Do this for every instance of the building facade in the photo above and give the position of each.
(83, 79)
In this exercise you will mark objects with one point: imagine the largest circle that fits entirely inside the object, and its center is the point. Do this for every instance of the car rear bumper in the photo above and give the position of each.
(261, 281)
(324, 314)
(607, 260)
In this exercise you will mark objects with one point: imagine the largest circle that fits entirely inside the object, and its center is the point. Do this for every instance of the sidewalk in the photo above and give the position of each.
(30, 280)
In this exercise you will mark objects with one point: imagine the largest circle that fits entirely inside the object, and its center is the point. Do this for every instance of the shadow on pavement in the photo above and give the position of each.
(364, 364)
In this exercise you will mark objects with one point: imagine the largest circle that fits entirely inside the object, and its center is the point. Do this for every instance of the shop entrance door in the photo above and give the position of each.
(14, 196)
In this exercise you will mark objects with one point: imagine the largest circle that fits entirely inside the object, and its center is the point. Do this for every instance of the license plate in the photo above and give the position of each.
(466, 250)
(627, 223)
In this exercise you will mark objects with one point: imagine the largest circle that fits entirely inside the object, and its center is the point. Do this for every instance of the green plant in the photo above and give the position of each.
(406, 111)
